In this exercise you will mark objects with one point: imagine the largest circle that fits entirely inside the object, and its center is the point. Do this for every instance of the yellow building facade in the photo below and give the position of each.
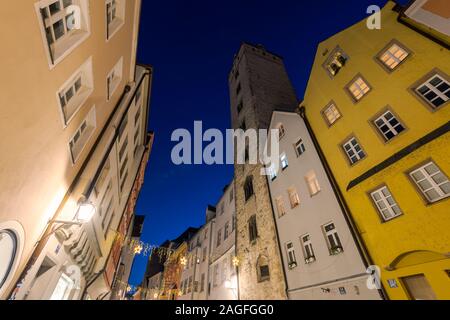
(378, 104)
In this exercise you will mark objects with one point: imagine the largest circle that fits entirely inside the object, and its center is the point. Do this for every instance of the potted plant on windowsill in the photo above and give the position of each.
(336, 250)
(292, 265)
(310, 259)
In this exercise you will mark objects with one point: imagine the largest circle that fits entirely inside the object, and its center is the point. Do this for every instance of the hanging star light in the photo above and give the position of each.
(183, 261)
(236, 261)
(138, 249)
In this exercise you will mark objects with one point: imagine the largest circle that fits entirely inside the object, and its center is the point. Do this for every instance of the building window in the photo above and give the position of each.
(216, 275)
(313, 183)
(431, 181)
(190, 285)
(280, 206)
(115, 16)
(231, 193)
(308, 251)
(63, 288)
(248, 188)
(252, 229)
(204, 254)
(281, 131)
(240, 107)
(271, 172)
(202, 283)
(64, 25)
(332, 238)
(114, 78)
(299, 147)
(226, 231)
(435, 91)
(224, 270)
(290, 252)
(418, 287)
(221, 208)
(233, 222)
(393, 55)
(335, 61)
(358, 88)
(238, 89)
(294, 199)
(353, 150)
(331, 113)
(284, 161)
(82, 135)
(262, 269)
(219, 238)
(388, 125)
(75, 91)
(385, 203)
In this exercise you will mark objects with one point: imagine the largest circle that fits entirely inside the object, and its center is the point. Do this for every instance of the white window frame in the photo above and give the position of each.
(353, 147)
(62, 47)
(394, 129)
(118, 20)
(358, 88)
(310, 257)
(389, 57)
(331, 114)
(299, 147)
(337, 249)
(385, 203)
(84, 133)
(271, 172)
(85, 75)
(113, 79)
(290, 255)
(429, 178)
(294, 198)
(433, 89)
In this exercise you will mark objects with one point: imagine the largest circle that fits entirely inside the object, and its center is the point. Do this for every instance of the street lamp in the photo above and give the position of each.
(85, 212)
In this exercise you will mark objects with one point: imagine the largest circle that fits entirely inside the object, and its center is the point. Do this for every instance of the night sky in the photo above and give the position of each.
(191, 45)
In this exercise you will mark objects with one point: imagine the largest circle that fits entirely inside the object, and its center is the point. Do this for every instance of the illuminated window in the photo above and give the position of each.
(65, 24)
(115, 16)
(294, 199)
(393, 56)
(358, 88)
(331, 114)
(335, 61)
(313, 183)
(284, 161)
(280, 207)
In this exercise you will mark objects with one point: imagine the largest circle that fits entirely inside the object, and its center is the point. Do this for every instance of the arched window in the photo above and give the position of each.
(262, 268)
(11, 245)
(248, 187)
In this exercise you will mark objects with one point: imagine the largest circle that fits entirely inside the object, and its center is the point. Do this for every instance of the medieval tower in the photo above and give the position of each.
(258, 85)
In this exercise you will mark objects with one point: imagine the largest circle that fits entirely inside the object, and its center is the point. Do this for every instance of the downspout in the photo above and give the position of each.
(362, 249)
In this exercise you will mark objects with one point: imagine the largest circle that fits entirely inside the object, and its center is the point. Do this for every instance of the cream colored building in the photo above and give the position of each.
(73, 114)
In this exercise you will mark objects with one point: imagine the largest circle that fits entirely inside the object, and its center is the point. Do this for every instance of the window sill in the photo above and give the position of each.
(113, 28)
(78, 150)
(75, 105)
(66, 46)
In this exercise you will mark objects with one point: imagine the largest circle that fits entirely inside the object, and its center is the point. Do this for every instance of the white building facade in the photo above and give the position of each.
(223, 284)
(320, 256)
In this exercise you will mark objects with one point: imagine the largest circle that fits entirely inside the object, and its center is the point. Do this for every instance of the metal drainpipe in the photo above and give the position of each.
(364, 253)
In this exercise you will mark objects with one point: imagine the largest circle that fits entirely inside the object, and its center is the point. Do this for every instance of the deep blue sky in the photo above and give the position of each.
(191, 45)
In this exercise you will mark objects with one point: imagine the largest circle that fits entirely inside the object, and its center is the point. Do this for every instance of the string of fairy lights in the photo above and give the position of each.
(139, 247)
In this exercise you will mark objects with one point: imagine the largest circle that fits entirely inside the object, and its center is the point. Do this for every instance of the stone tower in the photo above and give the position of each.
(258, 85)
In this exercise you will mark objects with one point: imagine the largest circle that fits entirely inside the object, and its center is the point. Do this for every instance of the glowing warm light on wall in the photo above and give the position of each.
(183, 261)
